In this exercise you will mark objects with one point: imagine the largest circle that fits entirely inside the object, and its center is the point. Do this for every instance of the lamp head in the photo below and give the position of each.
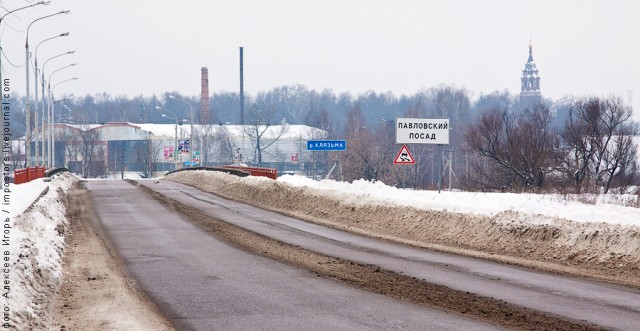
(67, 11)
(64, 34)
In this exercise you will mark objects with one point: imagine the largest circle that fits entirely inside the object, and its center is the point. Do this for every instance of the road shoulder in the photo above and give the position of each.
(95, 293)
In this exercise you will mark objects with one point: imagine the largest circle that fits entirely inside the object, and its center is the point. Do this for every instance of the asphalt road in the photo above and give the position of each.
(604, 304)
(204, 284)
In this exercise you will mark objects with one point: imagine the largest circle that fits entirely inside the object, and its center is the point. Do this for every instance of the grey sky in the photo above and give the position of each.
(136, 47)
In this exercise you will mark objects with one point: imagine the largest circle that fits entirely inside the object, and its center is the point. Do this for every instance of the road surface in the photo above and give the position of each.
(606, 305)
(203, 283)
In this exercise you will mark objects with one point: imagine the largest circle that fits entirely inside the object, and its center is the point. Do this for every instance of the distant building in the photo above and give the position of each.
(107, 150)
(530, 94)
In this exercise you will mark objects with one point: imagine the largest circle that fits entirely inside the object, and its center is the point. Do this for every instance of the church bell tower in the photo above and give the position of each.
(530, 83)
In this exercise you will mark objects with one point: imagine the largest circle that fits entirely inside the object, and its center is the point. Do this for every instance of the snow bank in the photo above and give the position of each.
(24, 195)
(35, 250)
(597, 240)
(569, 207)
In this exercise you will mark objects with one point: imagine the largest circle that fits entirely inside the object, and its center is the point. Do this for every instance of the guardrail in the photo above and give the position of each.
(21, 176)
(236, 170)
(255, 171)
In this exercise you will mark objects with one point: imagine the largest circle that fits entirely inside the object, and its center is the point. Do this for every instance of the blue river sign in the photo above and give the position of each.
(327, 145)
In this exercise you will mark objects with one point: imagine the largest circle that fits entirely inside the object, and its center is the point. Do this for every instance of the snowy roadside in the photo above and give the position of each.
(549, 232)
(24, 195)
(612, 208)
(32, 250)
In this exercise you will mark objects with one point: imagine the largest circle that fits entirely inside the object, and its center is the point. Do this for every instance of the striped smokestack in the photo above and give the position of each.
(204, 97)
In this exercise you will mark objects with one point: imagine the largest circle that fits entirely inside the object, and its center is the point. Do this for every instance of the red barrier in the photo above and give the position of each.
(31, 173)
(255, 171)
(21, 176)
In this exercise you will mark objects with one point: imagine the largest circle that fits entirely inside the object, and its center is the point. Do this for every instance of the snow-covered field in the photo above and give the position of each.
(34, 251)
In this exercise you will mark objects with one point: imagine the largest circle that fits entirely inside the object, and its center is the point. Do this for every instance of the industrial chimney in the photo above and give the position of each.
(204, 97)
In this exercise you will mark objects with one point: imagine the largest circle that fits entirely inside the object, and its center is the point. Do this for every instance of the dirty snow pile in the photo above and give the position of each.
(580, 234)
(615, 209)
(33, 249)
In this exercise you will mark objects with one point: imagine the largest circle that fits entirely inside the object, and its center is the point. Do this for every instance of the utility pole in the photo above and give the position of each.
(241, 86)
(122, 161)
(242, 92)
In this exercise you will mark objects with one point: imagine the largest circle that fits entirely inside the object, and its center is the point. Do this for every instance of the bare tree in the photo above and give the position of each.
(438, 102)
(214, 144)
(488, 175)
(91, 152)
(619, 160)
(70, 153)
(450, 102)
(615, 149)
(369, 153)
(420, 175)
(17, 154)
(205, 140)
(223, 148)
(579, 134)
(599, 135)
(259, 120)
(523, 144)
(150, 152)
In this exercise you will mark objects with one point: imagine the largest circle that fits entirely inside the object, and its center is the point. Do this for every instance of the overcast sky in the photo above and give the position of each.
(132, 47)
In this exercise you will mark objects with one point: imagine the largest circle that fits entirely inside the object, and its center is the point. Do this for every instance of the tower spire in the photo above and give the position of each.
(530, 88)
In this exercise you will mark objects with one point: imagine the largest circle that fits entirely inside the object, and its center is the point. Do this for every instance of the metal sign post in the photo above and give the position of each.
(440, 171)
(324, 145)
(433, 131)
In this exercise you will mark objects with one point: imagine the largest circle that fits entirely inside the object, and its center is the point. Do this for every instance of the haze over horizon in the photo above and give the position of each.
(129, 48)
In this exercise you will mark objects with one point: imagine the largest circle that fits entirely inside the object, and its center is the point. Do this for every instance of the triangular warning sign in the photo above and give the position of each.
(404, 156)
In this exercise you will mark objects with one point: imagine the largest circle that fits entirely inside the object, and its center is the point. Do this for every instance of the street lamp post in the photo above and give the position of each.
(2, 18)
(175, 150)
(191, 143)
(28, 105)
(51, 98)
(1, 50)
(41, 146)
(46, 106)
(52, 146)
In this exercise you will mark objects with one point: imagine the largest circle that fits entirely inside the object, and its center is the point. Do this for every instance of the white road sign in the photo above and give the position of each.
(422, 131)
